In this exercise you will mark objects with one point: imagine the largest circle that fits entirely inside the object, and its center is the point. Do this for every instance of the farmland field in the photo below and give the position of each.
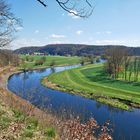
(56, 60)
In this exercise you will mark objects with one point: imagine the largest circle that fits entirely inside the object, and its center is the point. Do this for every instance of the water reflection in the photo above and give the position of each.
(27, 85)
(52, 70)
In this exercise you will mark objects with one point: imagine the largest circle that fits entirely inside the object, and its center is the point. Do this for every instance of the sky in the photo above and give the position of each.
(115, 22)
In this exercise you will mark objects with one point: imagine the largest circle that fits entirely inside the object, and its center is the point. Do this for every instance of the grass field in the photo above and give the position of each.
(90, 81)
(57, 60)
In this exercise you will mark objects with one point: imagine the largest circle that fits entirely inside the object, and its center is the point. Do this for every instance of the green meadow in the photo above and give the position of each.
(92, 82)
(49, 60)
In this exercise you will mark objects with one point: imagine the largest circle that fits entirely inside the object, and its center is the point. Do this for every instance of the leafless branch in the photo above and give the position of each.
(8, 24)
(80, 8)
(42, 3)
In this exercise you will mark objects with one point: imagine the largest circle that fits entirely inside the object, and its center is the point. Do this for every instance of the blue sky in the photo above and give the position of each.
(112, 22)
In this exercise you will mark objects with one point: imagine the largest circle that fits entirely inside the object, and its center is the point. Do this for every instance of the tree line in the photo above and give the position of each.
(74, 49)
(7, 57)
(121, 64)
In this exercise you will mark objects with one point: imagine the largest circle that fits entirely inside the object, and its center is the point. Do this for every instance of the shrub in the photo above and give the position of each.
(32, 122)
(39, 62)
(52, 63)
(82, 62)
(98, 60)
(18, 115)
(43, 58)
(27, 58)
(4, 122)
(31, 59)
(1, 112)
(28, 133)
(50, 132)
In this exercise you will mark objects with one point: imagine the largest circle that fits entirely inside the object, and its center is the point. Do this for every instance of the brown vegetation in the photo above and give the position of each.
(73, 129)
(7, 57)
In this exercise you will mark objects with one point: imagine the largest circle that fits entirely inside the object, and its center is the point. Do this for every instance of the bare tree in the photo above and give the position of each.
(115, 60)
(7, 57)
(8, 24)
(130, 70)
(136, 65)
(120, 61)
(126, 63)
(81, 8)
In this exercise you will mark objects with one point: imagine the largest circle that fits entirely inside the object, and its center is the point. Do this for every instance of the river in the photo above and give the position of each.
(126, 125)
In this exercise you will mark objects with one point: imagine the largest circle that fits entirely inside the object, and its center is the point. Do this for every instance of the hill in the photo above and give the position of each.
(73, 49)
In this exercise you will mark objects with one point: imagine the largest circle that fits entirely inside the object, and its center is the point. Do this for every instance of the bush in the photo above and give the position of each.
(28, 133)
(83, 61)
(27, 58)
(50, 132)
(52, 63)
(43, 59)
(98, 60)
(39, 62)
(31, 59)
(32, 123)
(4, 122)
(2, 112)
(19, 116)
(103, 56)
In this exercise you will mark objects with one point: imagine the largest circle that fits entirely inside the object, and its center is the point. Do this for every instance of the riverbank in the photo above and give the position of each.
(14, 124)
(22, 109)
(87, 81)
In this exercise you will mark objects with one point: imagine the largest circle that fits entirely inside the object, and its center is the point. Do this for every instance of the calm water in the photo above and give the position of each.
(126, 125)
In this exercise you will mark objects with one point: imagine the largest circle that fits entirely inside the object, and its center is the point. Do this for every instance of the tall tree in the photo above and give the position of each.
(126, 62)
(136, 65)
(115, 60)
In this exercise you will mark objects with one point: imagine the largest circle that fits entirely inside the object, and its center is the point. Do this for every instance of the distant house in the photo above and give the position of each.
(27, 54)
(38, 53)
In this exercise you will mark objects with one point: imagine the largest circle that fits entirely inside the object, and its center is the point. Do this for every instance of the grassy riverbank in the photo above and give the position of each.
(18, 118)
(90, 81)
(16, 125)
(30, 61)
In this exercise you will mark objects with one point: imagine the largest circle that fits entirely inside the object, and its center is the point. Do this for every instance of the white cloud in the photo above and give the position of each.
(126, 42)
(55, 42)
(108, 32)
(36, 31)
(23, 42)
(72, 14)
(104, 32)
(19, 28)
(110, 42)
(79, 32)
(57, 36)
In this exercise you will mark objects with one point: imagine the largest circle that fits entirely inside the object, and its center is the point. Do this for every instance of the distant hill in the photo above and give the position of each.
(72, 49)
